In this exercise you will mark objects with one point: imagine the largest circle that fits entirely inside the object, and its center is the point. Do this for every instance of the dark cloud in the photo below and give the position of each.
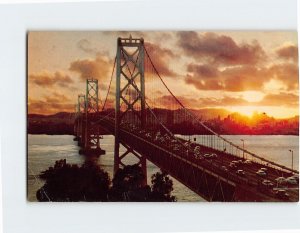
(161, 58)
(220, 49)
(288, 52)
(241, 78)
(98, 68)
(48, 79)
(204, 71)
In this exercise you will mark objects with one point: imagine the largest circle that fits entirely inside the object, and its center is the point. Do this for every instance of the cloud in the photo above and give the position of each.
(167, 101)
(161, 58)
(241, 78)
(50, 104)
(288, 52)
(47, 79)
(98, 68)
(57, 97)
(205, 71)
(220, 49)
(86, 46)
(287, 73)
(281, 99)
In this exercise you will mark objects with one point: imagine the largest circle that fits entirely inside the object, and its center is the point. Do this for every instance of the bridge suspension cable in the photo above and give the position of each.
(208, 138)
(109, 85)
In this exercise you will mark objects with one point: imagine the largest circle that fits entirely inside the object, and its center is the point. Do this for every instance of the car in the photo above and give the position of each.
(224, 168)
(247, 161)
(213, 155)
(264, 169)
(281, 193)
(232, 165)
(207, 156)
(237, 163)
(291, 180)
(296, 177)
(261, 173)
(240, 172)
(198, 156)
(267, 183)
(281, 180)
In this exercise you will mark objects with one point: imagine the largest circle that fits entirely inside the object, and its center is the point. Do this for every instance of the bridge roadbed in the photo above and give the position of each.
(206, 176)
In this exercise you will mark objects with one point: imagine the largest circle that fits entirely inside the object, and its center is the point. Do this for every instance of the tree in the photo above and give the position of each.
(127, 185)
(161, 188)
(65, 182)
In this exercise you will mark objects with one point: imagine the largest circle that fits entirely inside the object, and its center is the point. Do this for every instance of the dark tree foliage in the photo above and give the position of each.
(161, 188)
(127, 185)
(65, 182)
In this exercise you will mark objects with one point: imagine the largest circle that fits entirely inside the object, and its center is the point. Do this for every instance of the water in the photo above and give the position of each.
(44, 150)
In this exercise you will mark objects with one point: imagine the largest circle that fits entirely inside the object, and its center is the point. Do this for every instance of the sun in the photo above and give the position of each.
(247, 110)
(253, 96)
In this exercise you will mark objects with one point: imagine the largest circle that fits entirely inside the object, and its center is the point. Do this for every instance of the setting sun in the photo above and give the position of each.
(253, 96)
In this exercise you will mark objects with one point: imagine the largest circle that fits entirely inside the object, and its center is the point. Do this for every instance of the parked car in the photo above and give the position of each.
(261, 173)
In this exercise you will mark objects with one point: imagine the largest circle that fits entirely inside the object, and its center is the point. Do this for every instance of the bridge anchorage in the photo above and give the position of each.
(212, 166)
(87, 133)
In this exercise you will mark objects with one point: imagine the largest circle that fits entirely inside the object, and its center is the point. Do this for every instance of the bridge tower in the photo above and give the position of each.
(80, 119)
(92, 134)
(129, 106)
(76, 120)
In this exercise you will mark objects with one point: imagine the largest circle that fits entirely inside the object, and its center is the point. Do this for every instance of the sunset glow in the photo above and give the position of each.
(243, 72)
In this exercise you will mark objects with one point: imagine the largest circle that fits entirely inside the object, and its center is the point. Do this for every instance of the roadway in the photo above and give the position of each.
(251, 181)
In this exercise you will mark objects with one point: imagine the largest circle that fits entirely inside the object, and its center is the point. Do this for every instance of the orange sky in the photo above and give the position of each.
(236, 70)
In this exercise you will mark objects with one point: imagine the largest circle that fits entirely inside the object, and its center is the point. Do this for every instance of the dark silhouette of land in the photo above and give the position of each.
(220, 121)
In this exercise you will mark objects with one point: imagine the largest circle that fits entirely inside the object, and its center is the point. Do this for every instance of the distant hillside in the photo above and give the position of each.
(56, 124)
(220, 120)
(209, 113)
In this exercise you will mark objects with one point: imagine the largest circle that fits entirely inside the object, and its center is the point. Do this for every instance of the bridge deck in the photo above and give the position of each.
(191, 170)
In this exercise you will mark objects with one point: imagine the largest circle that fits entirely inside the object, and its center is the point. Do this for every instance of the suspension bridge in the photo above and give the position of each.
(211, 166)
